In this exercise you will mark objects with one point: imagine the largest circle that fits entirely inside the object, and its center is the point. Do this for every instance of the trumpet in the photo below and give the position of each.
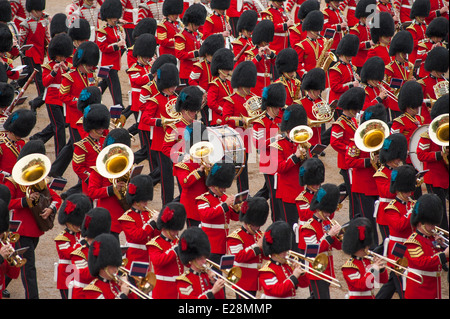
(339, 236)
(317, 268)
(441, 233)
(233, 275)
(13, 259)
(400, 266)
(153, 212)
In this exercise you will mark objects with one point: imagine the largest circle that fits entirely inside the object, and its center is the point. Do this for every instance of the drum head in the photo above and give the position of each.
(413, 144)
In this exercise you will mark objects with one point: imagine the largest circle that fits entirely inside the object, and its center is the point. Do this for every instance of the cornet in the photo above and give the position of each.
(441, 233)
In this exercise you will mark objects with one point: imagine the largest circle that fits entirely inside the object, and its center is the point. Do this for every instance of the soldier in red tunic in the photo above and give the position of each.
(424, 258)
(88, 11)
(297, 32)
(197, 282)
(138, 223)
(217, 22)
(245, 26)
(166, 30)
(146, 25)
(79, 31)
(361, 275)
(245, 243)
(381, 35)
(435, 159)
(278, 278)
(96, 221)
(419, 12)
(398, 217)
(372, 73)
(70, 215)
(188, 41)
(333, 19)
(163, 251)
(286, 64)
(392, 155)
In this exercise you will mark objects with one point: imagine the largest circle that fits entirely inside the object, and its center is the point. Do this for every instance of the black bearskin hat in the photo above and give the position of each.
(172, 217)
(104, 251)
(163, 59)
(395, 146)
(140, 189)
(441, 106)
(314, 79)
(223, 59)
(247, 21)
(6, 94)
(96, 221)
(73, 209)
(195, 14)
(146, 25)
(118, 135)
(32, 147)
(221, 175)
(145, 46)
(38, 5)
(273, 95)
(384, 28)
(373, 69)
(411, 95)
(277, 238)
(111, 9)
(5, 194)
(375, 112)
(307, 7)
(348, 46)
(427, 210)
(363, 8)
(193, 243)
(352, 99)
(220, 4)
(60, 45)
(293, 116)
(211, 44)
(6, 38)
(263, 32)
(21, 122)
(58, 24)
(244, 75)
(171, 7)
(4, 216)
(312, 172)
(437, 60)
(254, 211)
(438, 27)
(5, 11)
(88, 96)
(326, 199)
(87, 53)
(403, 179)
(420, 8)
(357, 236)
(287, 60)
(402, 42)
(189, 99)
(96, 116)
(313, 21)
(80, 30)
(167, 76)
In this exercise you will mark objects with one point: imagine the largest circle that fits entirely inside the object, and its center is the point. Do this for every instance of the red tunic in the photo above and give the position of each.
(66, 242)
(303, 202)
(214, 24)
(201, 74)
(36, 32)
(340, 76)
(381, 51)
(372, 96)
(52, 82)
(363, 33)
(383, 181)
(107, 37)
(362, 170)
(240, 45)
(308, 51)
(7, 270)
(139, 77)
(308, 103)
(342, 130)
(396, 70)
(196, 285)
(174, 144)
(165, 36)
(427, 83)
(187, 46)
(9, 151)
(264, 130)
(417, 31)
(85, 154)
(167, 266)
(263, 69)
(81, 276)
(406, 124)
(279, 18)
(333, 20)
(101, 288)
(217, 91)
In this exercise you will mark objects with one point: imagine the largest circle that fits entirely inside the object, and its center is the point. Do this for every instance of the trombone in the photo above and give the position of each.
(233, 275)
(399, 268)
(388, 92)
(317, 268)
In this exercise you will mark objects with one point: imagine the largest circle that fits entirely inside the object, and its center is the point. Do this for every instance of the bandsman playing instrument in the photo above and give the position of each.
(289, 155)
(362, 30)
(139, 222)
(435, 157)
(278, 278)
(381, 35)
(437, 9)
(217, 22)
(342, 75)
(372, 75)
(129, 19)
(265, 130)
(166, 30)
(434, 84)
(111, 42)
(164, 253)
(196, 283)
(334, 20)
(296, 32)
(342, 130)
(419, 12)
(105, 258)
(33, 208)
(17, 126)
(281, 21)
(364, 162)
(311, 49)
(398, 218)
(216, 208)
(96, 119)
(157, 112)
(188, 41)
(361, 274)
(245, 243)
(109, 192)
(287, 64)
(245, 26)
(97, 221)
(146, 25)
(311, 176)
(348, 10)
(387, 6)
(317, 230)
(392, 155)
(423, 256)
(220, 87)
(70, 215)
(79, 31)
(89, 11)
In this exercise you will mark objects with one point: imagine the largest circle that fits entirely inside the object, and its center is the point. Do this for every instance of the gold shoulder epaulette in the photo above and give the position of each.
(307, 225)
(184, 278)
(102, 30)
(93, 287)
(380, 173)
(399, 119)
(78, 252)
(202, 198)
(153, 242)
(182, 166)
(276, 145)
(349, 264)
(68, 76)
(61, 237)
(391, 205)
(417, 251)
(266, 268)
(336, 68)
(425, 135)
(235, 235)
(126, 217)
(229, 99)
(80, 144)
(302, 197)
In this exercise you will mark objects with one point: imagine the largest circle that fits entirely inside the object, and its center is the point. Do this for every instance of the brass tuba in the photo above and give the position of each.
(438, 132)
(300, 135)
(370, 136)
(31, 172)
(202, 151)
(115, 162)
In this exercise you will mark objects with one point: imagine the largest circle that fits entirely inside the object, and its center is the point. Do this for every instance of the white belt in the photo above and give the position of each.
(351, 8)
(360, 293)
(64, 261)
(78, 284)
(245, 265)
(135, 90)
(406, 6)
(385, 200)
(166, 278)
(283, 34)
(264, 75)
(137, 246)
(54, 86)
(216, 226)
(424, 272)
(400, 239)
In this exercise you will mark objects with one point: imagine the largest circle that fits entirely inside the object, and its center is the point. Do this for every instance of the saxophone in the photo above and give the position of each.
(326, 57)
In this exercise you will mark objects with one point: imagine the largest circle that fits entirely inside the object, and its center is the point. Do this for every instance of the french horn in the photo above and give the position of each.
(369, 137)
